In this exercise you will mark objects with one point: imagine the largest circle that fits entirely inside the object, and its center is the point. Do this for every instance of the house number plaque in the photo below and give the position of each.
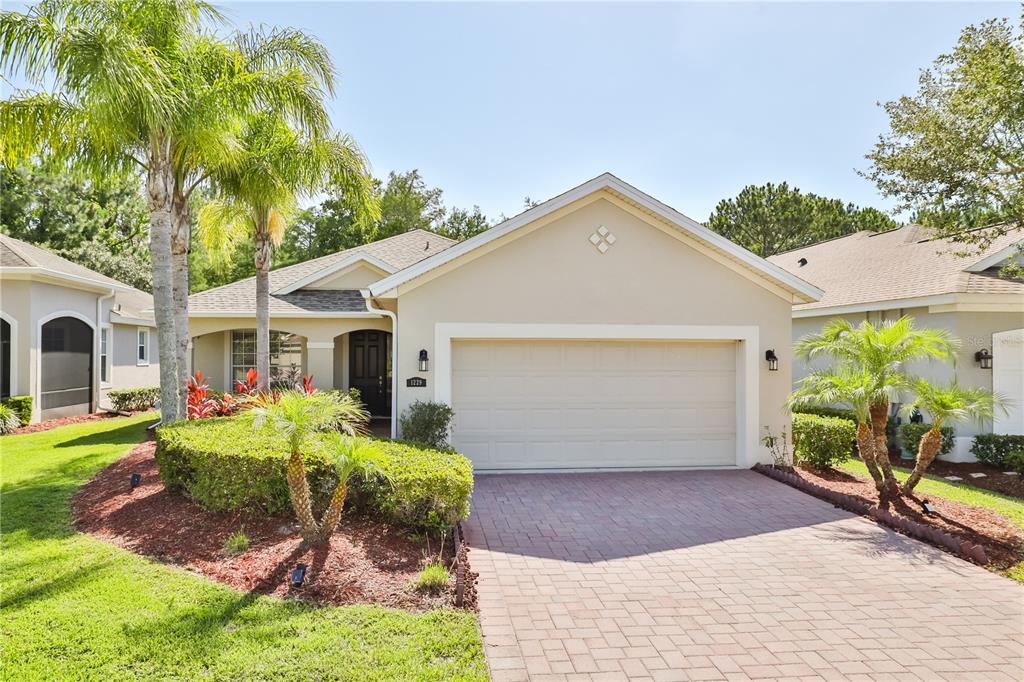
(416, 382)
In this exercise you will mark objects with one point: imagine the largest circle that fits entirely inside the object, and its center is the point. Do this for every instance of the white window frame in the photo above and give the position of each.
(106, 357)
(143, 345)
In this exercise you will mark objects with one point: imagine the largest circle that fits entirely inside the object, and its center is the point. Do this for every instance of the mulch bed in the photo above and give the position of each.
(366, 562)
(64, 421)
(1002, 540)
(995, 479)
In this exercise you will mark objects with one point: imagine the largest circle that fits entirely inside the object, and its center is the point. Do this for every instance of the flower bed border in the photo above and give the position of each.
(919, 531)
(465, 579)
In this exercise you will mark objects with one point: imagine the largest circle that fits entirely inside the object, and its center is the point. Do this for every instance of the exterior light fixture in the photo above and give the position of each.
(298, 575)
(772, 359)
(424, 360)
(984, 358)
(136, 480)
(927, 507)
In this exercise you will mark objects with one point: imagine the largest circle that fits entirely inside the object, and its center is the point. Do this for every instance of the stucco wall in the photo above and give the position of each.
(16, 304)
(554, 275)
(125, 370)
(353, 277)
(973, 329)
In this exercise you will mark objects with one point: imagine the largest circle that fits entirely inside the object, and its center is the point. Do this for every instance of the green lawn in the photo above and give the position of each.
(1010, 507)
(73, 607)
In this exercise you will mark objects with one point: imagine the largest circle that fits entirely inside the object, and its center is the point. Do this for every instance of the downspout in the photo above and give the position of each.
(96, 346)
(394, 356)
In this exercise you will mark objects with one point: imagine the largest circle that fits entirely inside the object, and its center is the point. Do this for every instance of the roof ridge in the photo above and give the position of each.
(16, 248)
(870, 233)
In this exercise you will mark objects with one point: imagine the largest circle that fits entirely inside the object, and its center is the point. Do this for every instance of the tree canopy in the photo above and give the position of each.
(769, 219)
(954, 152)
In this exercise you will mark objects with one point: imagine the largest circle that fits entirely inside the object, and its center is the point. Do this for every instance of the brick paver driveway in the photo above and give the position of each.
(722, 575)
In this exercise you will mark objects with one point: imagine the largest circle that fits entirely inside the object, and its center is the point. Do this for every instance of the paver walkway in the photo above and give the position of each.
(722, 575)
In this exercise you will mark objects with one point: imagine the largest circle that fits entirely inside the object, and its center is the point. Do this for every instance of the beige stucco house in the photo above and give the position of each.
(600, 329)
(882, 276)
(69, 334)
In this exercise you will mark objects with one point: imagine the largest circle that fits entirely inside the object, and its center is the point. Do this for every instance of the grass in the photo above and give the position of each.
(74, 607)
(434, 576)
(237, 543)
(936, 486)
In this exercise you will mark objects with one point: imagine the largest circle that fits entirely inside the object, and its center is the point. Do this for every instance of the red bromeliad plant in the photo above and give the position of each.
(202, 404)
(307, 384)
(249, 385)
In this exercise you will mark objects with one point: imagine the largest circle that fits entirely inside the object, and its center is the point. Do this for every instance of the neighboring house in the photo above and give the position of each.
(69, 334)
(600, 329)
(882, 276)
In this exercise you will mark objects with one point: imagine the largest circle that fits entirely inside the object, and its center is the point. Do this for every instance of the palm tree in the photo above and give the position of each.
(256, 196)
(351, 455)
(852, 388)
(945, 404)
(296, 416)
(881, 353)
(141, 85)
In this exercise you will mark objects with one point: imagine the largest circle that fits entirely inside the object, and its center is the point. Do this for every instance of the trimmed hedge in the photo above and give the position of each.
(134, 399)
(837, 412)
(428, 423)
(911, 434)
(822, 442)
(224, 464)
(22, 406)
(993, 448)
(1015, 460)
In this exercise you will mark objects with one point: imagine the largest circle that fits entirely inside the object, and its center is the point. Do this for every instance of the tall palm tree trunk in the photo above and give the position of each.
(298, 489)
(333, 514)
(927, 451)
(181, 238)
(866, 449)
(159, 190)
(264, 253)
(879, 420)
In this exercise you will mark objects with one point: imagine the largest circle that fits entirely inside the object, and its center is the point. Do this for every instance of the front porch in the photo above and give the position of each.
(339, 353)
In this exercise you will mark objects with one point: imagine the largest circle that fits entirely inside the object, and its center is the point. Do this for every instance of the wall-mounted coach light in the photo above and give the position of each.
(424, 360)
(773, 360)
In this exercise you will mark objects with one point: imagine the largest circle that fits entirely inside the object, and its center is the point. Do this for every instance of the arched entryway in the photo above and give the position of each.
(65, 381)
(369, 369)
(5, 359)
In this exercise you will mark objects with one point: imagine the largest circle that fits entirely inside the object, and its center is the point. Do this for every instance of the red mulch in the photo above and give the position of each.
(1003, 540)
(64, 421)
(366, 561)
(995, 479)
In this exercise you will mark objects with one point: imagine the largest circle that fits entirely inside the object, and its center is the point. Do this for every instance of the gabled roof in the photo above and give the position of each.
(868, 268)
(21, 259)
(756, 266)
(395, 253)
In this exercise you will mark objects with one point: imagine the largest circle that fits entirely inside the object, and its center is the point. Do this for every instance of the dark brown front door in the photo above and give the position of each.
(369, 369)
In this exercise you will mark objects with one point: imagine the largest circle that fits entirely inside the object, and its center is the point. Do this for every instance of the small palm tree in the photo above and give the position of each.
(945, 404)
(351, 455)
(257, 194)
(881, 353)
(851, 388)
(296, 416)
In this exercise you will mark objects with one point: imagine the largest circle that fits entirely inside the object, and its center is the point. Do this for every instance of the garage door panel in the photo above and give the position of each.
(594, 404)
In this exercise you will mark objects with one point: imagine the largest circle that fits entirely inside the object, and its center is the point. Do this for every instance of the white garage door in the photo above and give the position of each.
(594, 404)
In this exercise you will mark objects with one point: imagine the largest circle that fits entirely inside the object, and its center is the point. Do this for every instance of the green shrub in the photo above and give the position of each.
(993, 448)
(134, 399)
(22, 406)
(9, 421)
(911, 434)
(433, 578)
(427, 423)
(223, 464)
(1015, 461)
(837, 412)
(822, 442)
(236, 544)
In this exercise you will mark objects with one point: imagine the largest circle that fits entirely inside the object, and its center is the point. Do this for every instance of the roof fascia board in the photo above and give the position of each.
(117, 318)
(50, 276)
(996, 258)
(320, 275)
(939, 303)
(280, 316)
(610, 182)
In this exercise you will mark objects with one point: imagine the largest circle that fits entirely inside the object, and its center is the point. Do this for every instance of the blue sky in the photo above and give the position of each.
(690, 102)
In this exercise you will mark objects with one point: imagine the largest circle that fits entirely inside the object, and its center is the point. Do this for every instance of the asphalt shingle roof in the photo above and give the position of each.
(869, 267)
(399, 252)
